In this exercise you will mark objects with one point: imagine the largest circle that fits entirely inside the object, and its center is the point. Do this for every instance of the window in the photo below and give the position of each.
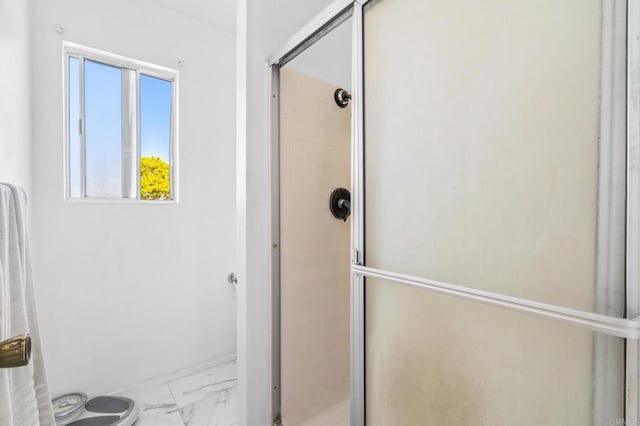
(120, 127)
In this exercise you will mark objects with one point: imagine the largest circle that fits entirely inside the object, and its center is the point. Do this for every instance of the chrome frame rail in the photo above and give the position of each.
(632, 356)
(620, 327)
(357, 298)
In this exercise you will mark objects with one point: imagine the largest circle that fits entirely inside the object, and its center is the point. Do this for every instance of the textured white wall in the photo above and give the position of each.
(14, 93)
(130, 291)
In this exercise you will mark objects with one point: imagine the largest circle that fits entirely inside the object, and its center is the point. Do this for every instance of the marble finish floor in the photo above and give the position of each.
(205, 395)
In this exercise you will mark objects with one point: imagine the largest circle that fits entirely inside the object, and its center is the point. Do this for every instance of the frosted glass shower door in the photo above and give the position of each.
(494, 160)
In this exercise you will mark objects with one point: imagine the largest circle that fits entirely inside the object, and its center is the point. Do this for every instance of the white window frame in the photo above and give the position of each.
(131, 71)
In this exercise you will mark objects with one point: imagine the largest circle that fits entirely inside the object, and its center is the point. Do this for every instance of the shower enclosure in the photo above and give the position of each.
(495, 188)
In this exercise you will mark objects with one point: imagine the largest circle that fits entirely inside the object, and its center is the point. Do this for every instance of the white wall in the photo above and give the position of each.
(14, 93)
(130, 291)
(263, 25)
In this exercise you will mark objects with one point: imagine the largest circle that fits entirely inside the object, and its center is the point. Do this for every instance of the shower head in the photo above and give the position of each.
(342, 97)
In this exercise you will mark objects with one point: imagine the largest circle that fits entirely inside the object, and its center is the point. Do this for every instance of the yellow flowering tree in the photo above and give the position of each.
(154, 179)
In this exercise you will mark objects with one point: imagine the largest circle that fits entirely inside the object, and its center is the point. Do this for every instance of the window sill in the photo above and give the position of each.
(94, 200)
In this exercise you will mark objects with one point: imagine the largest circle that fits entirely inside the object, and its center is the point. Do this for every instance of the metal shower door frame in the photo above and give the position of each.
(627, 327)
(327, 20)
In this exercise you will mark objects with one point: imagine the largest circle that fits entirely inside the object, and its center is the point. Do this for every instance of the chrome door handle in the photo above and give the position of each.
(16, 351)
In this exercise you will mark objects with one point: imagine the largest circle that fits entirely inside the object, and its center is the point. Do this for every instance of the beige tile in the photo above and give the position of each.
(325, 239)
(294, 239)
(296, 151)
(294, 219)
(315, 285)
(317, 177)
(287, 101)
(294, 192)
(345, 157)
(325, 155)
(294, 306)
(294, 259)
(288, 133)
(296, 87)
(337, 126)
(294, 199)
(301, 151)
(320, 218)
(304, 118)
(329, 256)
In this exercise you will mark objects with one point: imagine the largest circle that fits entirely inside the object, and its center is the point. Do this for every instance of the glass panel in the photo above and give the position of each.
(471, 364)
(75, 147)
(103, 114)
(155, 138)
(495, 146)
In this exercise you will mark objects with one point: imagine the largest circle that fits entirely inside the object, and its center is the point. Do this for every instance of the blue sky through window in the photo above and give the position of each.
(103, 125)
(155, 117)
(103, 114)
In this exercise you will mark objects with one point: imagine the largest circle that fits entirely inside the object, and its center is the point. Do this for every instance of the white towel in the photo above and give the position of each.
(24, 395)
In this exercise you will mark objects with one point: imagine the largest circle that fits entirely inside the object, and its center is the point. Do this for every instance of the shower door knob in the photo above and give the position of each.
(16, 351)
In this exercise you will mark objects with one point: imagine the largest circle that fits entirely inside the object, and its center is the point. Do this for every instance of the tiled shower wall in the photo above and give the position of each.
(314, 160)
